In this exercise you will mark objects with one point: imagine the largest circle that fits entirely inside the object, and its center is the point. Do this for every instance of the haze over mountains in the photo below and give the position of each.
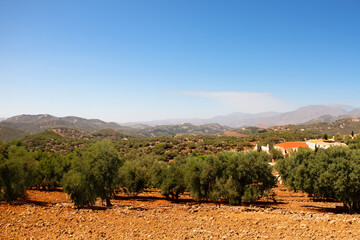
(311, 114)
(31, 124)
(22, 125)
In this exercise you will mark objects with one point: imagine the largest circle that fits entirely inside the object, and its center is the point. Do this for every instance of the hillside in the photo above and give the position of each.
(10, 134)
(342, 126)
(69, 132)
(20, 126)
(175, 129)
(108, 133)
(187, 129)
(51, 141)
(41, 122)
(76, 126)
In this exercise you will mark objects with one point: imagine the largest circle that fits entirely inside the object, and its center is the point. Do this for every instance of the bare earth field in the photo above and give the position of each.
(51, 215)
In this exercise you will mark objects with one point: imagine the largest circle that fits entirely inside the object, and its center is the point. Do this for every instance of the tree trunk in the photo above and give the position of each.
(108, 203)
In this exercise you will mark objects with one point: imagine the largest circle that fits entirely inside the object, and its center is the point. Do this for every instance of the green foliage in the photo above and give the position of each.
(276, 154)
(278, 136)
(343, 126)
(8, 134)
(17, 172)
(201, 174)
(133, 177)
(94, 172)
(325, 137)
(353, 143)
(157, 176)
(79, 186)
(330, 173)
(49, 141)
(297, 170)
(173, 183)
(245, 172)
(338, 137)
(251, 194)
(50, 170)
(161, 148)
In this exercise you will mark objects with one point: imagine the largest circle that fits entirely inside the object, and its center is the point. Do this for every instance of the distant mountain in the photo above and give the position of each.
(94, 128)
(80, 126)
(268, 119)
(41, 122)
(237, 120)
(194, 121)
(325, 118)
(305, 114)
(347, 108)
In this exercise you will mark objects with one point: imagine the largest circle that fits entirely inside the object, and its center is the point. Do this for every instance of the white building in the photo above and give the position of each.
(320, 143)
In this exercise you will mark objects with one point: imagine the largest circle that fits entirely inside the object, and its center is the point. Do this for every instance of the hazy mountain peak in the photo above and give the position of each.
(25, 118)
(239, 119)
(345, 107)
(306, 114)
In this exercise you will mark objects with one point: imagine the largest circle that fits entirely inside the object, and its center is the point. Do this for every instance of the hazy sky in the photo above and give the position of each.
(145, 60)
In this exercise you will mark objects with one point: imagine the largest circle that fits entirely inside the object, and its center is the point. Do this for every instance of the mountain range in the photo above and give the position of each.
(311, 114)
(22, 125)
(41, 122)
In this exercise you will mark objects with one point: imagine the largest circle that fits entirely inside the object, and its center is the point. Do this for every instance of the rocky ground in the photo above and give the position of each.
(51, 215)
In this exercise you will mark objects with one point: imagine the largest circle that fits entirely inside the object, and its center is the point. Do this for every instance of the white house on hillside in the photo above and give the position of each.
(320, 143)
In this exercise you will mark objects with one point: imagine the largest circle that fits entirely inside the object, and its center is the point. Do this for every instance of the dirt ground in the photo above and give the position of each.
(51, 215)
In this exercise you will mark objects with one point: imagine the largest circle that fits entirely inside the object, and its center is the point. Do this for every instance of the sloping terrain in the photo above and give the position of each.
(41, 122)
(187, 129)
(38, 123)
(18, 127)
(342, 126)
(10, 134)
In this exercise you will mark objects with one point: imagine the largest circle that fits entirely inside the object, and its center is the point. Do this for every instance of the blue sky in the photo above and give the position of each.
(145, 60)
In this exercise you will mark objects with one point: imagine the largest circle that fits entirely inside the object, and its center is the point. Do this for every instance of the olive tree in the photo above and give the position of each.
(94, 173)
(17, 172)
(326, 173)
(201, 174)
(173, 180)
(246, 177)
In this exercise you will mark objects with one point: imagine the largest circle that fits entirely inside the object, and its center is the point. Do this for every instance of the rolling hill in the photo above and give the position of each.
(315, 118)
(342, 126)
(94, 128)
(10, 134)
(41, 122)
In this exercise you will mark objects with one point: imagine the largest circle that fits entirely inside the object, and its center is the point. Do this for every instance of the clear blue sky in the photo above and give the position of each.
(144, 60)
